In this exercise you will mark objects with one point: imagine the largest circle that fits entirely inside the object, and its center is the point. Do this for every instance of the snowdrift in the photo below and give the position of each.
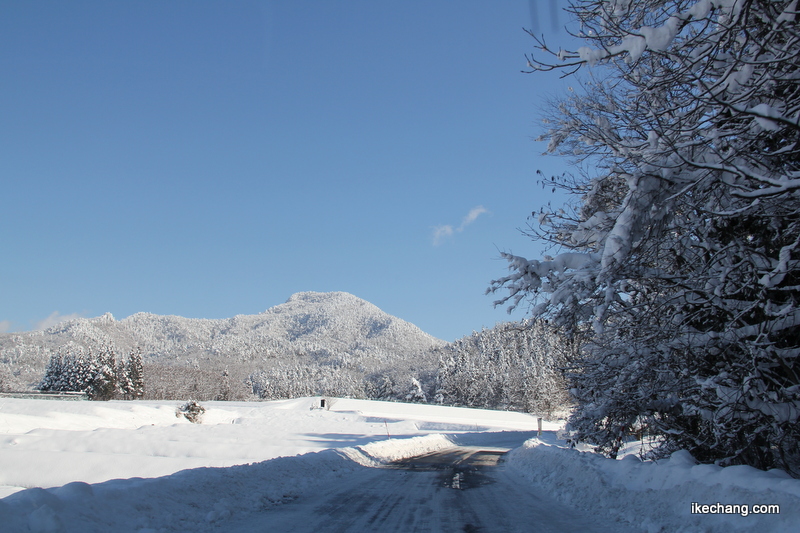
(193, 500)
(658, 496)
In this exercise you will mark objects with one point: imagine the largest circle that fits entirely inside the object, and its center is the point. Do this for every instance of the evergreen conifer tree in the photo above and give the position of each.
(135, 374)
(104, 382)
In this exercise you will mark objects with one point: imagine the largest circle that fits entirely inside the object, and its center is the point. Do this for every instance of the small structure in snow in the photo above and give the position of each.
(322, 403)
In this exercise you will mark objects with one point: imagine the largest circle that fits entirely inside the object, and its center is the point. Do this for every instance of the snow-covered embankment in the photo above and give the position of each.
(658, 496)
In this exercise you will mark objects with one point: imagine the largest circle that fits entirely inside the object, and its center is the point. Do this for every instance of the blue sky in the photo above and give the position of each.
(208, 159)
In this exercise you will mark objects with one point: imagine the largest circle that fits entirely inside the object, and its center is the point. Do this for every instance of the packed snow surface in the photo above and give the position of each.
(136, 466)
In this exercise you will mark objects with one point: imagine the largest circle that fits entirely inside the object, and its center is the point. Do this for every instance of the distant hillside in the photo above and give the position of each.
(311, 328)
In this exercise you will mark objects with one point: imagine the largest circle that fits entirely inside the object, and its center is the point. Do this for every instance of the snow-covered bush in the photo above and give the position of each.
(680, 260)
(191, 411)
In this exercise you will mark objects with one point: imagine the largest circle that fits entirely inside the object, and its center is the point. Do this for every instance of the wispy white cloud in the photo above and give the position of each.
(55, 318)
(440, 233)
(473, 214)
(5, 326)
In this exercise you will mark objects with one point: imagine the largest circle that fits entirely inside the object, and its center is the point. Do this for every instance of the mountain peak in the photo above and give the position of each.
(333, 328)
(315, 297)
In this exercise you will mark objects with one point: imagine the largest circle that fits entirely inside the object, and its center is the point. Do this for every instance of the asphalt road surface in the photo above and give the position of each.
(462, 489)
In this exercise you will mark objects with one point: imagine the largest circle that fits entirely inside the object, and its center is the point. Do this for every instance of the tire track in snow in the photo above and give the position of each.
(419, 494)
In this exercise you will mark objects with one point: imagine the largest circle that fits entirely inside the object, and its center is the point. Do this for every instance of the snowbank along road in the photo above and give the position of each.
(459, 489)
(73, 467)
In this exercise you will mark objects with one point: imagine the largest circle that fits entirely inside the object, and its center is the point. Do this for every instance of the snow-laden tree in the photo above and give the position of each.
(53, 374)
(380, 387)
(99, 374)
(70, 369)
(415, 392)
(679, 261)
(130, 376)
(105, 380)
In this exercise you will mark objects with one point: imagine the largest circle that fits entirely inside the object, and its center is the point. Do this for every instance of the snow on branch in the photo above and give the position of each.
(534, 276)
(681, 265)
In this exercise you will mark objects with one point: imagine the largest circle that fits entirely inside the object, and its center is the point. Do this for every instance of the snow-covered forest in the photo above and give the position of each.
(676, 262)
(514, 366)
(213, 359)
(316, 344)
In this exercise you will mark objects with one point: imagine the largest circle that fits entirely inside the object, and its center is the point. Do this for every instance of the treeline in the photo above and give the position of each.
(101, 375)
(176, 382)
(513, 366)
(298, 380)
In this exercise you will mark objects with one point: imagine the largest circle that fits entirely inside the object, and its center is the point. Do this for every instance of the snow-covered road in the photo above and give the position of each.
(290, 466)
(461, 489)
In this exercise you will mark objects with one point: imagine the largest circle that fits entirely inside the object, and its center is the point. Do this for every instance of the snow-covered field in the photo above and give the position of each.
(135, 466)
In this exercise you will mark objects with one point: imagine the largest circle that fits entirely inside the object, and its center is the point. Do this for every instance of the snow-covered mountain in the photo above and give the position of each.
(321, 328)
